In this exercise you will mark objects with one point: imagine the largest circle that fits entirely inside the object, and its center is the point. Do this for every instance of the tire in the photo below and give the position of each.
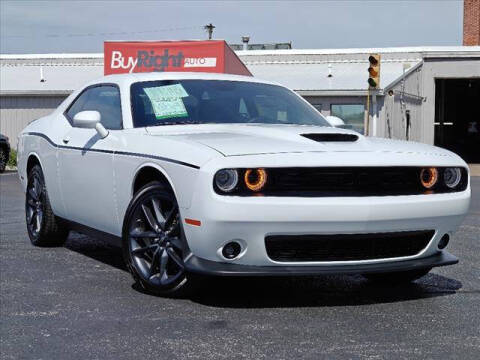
(3, 159)
(43, 227)
(154, 244)
(396, 278)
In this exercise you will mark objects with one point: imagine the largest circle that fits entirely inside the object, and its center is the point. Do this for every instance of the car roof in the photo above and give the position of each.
(152, 76)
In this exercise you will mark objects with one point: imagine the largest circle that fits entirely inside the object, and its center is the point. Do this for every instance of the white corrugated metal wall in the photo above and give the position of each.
(394, 119)
(17, 111)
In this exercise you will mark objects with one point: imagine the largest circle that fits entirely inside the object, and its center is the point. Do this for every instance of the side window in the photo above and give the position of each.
(77, 105)
(106, 100)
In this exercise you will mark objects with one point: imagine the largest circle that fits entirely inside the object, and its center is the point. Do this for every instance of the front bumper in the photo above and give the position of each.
(248, 220)
(207, 267)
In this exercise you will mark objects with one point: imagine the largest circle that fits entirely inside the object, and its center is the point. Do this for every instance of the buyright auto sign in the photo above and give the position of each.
(148, 56)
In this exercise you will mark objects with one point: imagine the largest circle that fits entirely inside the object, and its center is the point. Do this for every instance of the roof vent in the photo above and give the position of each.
(331, 137)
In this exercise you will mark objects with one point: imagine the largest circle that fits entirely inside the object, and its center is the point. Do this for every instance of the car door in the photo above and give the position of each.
(86, 174)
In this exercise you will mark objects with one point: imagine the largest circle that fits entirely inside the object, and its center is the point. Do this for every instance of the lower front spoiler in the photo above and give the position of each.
(208, 267)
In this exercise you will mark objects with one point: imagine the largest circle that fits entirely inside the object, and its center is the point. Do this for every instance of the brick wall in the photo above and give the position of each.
(471, 22)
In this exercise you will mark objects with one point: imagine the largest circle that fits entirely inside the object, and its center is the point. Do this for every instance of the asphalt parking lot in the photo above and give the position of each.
(78, 302)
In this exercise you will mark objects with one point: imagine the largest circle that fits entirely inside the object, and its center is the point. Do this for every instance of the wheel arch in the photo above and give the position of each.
(32, 160)
(151, 172)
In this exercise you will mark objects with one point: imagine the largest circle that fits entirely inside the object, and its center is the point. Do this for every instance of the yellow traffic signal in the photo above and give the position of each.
(374, 71)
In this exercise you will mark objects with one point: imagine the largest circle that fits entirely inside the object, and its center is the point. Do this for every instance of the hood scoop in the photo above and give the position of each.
(331, 137)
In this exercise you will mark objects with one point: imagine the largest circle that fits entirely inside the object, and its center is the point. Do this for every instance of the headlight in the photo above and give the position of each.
(452, 177)
(226, 179)
(429, 177)
(255, 179)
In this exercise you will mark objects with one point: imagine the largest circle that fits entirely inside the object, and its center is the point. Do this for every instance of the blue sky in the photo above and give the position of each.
(82, 26)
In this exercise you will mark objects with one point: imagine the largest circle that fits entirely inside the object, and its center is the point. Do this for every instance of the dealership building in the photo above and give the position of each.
(426, 94)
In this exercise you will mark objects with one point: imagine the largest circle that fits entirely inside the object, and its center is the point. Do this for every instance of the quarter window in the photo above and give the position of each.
(105, 99)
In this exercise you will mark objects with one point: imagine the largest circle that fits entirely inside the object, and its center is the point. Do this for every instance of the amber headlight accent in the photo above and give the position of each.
(255, 179)
(429, 177)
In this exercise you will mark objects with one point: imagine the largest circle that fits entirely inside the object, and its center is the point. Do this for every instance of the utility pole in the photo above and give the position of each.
(209, 28)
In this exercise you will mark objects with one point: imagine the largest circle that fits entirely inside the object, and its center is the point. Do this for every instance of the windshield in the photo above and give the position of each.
(170, 102)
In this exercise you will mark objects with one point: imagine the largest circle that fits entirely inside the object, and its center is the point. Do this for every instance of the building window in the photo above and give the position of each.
(352, 114)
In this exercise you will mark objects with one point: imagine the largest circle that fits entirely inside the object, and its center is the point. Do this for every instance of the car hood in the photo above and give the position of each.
(254, 139)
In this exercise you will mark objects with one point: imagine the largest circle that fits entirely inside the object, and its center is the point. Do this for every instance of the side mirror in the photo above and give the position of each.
(90, 120)
(335, 121)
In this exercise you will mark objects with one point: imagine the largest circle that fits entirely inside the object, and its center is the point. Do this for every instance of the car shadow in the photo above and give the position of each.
(320, 291)
(102, 250)
(281, 292)
(92, 141)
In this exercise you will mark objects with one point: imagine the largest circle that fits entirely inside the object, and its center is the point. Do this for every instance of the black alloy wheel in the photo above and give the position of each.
(43, 227)
(34, 205)
(154, 244)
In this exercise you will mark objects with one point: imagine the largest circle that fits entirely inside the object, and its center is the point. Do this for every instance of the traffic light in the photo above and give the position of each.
(374, 71)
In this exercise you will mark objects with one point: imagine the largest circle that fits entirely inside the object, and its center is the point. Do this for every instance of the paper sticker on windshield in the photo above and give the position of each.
(168, 108)
(167, 101)
(166, 92)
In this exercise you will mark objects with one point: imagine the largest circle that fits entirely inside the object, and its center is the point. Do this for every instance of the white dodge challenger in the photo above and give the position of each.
(212, 174)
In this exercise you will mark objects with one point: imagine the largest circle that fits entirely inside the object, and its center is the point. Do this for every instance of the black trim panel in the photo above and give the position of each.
(125, 153)
(207, 267)
(87, 230)
(346, 247)
(339, 137)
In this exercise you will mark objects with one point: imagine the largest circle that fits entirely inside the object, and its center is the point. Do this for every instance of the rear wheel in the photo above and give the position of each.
(44, 228)
(397, 277)
(154, 244)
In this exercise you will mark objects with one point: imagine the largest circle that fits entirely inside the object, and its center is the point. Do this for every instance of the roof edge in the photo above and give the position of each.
(342, 92)
(51, 56)
(34, 92)
(385, 50)
(403, 76)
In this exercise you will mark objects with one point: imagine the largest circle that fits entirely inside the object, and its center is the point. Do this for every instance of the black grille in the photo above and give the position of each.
(343, 181)
(331, 137)
(346, 247)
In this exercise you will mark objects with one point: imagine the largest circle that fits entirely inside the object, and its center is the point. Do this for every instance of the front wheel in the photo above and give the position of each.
(395, 278)
(154, 244)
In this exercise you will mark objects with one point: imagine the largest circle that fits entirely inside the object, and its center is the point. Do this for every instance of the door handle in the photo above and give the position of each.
(66, 140)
